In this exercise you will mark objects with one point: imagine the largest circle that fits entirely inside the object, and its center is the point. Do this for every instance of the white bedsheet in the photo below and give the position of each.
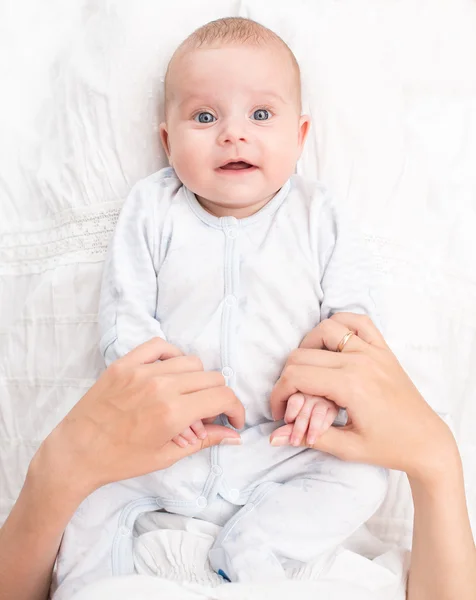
(391, 87)
(171, 559)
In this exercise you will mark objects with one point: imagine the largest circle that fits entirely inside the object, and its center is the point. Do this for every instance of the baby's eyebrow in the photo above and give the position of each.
(270, 94)
(200, 99)
(192, 98)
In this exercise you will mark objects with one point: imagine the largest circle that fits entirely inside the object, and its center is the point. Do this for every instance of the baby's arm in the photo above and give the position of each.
(345, 265)
(128, 304)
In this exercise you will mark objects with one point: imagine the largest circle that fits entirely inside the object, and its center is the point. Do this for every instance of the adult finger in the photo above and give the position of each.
(362, 326)
(170, 453)
(175, 365)
(281, 436)
(317, 357)
(344, 443)
(340, 442)
(149, 352)
(188, 383)
(208, 403)
(315, 381)
(328, 335)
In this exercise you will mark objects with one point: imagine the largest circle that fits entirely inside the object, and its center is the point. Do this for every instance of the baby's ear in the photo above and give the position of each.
(304, 127)
(164, 138)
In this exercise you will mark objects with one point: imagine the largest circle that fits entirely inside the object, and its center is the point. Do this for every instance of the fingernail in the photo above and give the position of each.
(280, 440)
(231, 442)
(194, 441)
(202, 435)
(311, 441)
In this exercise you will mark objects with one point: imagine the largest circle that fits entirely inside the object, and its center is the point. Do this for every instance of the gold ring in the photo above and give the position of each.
(344, 341)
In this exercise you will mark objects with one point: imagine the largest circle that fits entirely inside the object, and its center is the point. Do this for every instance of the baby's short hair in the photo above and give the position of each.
(233, 30)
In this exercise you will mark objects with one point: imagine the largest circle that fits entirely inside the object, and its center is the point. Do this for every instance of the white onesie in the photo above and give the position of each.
(240, 294)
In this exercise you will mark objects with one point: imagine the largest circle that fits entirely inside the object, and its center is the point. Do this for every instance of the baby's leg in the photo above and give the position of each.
(98, 540)
(297, 520)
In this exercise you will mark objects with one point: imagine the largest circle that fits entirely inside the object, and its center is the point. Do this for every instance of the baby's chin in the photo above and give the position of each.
(237, 205)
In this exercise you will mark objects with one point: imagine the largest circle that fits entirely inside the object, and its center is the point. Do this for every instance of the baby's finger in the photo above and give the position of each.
(199, 430)
(319, 414)
(216, 434)
(316, 381)
(301, 423)
(326, 413)
(294, 405)
(180, 441)
(189, 435)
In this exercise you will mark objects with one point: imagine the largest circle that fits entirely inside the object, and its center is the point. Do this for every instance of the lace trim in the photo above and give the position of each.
(72, 236)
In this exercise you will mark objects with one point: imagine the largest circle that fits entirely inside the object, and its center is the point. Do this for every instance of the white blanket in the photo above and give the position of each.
(391, 88)
(141, 587)
(172, 562)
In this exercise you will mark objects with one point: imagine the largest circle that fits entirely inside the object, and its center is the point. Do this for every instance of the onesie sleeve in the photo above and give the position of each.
(346, 265)
(128, 301)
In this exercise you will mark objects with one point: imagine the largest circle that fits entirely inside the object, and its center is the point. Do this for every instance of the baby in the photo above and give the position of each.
(231, 257)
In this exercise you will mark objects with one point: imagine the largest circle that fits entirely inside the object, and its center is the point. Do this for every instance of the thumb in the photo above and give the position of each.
(216, 434)
(341, 442)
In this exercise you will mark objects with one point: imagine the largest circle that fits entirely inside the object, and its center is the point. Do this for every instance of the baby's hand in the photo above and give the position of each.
(191, 435)
(311, 415)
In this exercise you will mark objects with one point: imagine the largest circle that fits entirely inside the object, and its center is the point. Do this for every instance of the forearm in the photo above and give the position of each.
(30, 538)
(443, 563)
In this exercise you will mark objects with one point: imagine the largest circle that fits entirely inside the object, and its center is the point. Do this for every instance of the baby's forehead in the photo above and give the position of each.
(191, 70)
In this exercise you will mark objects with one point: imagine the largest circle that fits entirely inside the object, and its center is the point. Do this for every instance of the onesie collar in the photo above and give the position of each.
(220, 222)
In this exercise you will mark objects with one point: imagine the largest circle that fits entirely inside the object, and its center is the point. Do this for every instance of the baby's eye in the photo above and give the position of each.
(204, 117)
(261, 114)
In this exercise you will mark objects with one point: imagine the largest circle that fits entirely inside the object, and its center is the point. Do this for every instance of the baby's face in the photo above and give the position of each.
(234, 131)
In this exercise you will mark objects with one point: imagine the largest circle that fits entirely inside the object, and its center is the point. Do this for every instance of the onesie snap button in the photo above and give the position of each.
(217, 470)
(232, 232)
(227, 372)
(230, 300)
(124, 531)
(249, 507)
(202, 502)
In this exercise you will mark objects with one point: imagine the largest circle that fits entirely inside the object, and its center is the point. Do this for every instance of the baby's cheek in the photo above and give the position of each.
(282, 158)
(187, 165)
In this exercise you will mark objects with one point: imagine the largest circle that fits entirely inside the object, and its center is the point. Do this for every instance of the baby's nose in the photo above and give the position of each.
(232, 132)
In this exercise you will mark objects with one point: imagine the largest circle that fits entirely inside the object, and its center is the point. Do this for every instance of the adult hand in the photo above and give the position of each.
(390, 424)
(124, 425)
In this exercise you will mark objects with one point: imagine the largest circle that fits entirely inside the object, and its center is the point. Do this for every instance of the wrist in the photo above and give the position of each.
(52, 476)
(440, 468)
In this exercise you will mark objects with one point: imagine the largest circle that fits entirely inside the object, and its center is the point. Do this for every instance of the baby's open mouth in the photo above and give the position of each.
(236, 166)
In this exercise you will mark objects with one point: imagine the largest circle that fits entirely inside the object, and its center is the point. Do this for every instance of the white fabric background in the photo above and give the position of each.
(391, 87)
